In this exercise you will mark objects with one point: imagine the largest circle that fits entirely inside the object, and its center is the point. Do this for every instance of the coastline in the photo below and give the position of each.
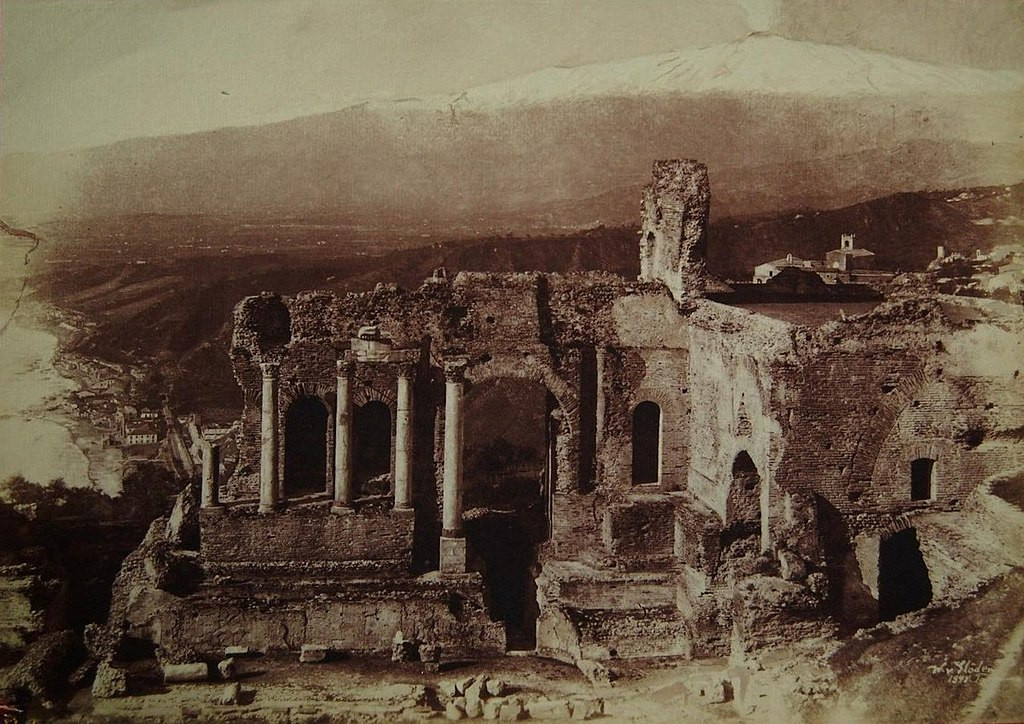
(44, 433)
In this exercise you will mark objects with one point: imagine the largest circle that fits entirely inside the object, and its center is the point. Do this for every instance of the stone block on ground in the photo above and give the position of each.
(597, 673)
(476, 691)
(231, 695)
(474, 708)
(402, 649)
(492, 707)
(236, 651)
(452, 712)
(227, 669)
(447, 688)
(312, 653)
(184, 673)
(586, 708)
(557, 709)
(464, 683)
(110, 682)
(512, 710)
(496, 687)
(418, 713)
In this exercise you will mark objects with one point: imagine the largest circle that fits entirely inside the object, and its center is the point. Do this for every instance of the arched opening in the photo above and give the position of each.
(371, 465)
(922, 483)
(903, 582)
(742, 535)
(646, 443)
(509, 475)
(305, 450)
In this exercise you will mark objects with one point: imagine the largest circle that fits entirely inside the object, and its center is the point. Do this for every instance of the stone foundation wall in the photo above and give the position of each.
(349, 618)
(240, 535)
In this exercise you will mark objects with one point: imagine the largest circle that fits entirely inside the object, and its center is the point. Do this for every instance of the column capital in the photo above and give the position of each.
(405, 370)
(455, 369)
(270, 370)
(344, 367)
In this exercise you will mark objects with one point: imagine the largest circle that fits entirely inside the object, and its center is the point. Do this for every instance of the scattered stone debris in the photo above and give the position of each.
(227, 669)
(109, 682)
(184, 673)
(231, 695)
(312, 653)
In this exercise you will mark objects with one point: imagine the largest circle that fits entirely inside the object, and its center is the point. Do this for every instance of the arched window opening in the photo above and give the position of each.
(646, 443)
(305, 450)
(743, 505)
(372, 437)
(922, 482)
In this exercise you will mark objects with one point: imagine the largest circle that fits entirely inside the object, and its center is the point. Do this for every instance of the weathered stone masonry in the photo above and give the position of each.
(774, 447)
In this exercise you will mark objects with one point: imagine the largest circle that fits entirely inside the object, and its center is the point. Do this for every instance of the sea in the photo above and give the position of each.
(39, 438)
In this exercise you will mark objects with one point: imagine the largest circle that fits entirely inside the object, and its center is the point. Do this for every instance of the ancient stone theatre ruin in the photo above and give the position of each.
(708, 478)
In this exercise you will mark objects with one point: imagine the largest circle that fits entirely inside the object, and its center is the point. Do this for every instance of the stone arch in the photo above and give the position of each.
(307, 443)
(565, 418)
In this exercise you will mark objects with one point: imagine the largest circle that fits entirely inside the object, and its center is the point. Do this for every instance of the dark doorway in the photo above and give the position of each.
(646, 443)
(921, 471)
(903, 583)
(305, 451)
(372, 436)
(509, 476)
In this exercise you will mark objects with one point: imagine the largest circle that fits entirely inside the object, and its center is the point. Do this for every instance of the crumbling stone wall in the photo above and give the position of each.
(673, 233)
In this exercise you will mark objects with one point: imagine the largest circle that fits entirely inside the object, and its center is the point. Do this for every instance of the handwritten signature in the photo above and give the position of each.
(961, 671)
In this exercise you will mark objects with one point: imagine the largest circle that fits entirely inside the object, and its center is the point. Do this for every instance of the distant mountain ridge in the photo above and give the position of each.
(781, 124)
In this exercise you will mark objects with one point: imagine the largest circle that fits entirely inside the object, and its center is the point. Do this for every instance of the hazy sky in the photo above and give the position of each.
(77, 73)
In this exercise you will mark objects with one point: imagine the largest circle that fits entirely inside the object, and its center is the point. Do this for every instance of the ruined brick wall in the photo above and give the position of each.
(733, 357)
(358, 617)
(869, 395)
(673, 234)
(307, 536)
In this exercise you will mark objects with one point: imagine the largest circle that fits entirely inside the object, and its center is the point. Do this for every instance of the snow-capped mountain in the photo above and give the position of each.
(781, 124)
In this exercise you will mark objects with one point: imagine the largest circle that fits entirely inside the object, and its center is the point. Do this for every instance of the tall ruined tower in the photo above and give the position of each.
(674, 234)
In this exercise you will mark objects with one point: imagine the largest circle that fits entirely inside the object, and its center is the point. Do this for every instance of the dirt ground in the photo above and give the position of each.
(959, 665)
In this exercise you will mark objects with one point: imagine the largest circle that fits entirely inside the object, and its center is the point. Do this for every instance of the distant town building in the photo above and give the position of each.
(846, 265)
(141, 434)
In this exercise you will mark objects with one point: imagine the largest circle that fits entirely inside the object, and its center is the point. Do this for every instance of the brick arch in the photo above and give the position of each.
(288, 394)
(567, 442)
(541, 373)
(361, 394)
(890, 407)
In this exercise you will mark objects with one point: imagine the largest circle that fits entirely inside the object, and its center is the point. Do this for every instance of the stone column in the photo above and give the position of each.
(343, 493)
(269, 440)
(453, 542)
(211, 474)
(403, 440)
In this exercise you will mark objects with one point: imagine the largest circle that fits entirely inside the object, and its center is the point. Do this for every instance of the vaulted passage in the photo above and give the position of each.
(305, 452)
(509, 465)
(372, 436)
(646, 443)
(903, 582)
